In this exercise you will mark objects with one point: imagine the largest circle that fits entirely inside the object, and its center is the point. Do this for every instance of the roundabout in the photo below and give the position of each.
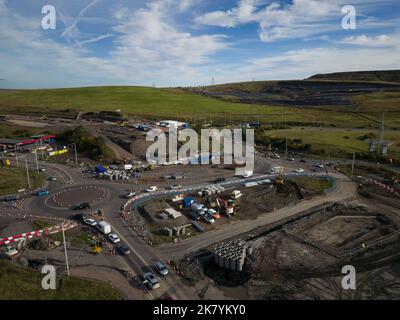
(67, 198)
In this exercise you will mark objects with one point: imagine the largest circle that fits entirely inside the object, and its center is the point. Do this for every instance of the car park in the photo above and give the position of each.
(124, 249)
(90, 222)
(161, 268)
(151, 281)
(114, 238)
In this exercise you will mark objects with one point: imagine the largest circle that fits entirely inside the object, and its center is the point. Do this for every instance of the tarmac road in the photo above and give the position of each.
(144, 256)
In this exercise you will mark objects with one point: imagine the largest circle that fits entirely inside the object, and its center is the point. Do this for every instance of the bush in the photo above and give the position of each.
(95, 147)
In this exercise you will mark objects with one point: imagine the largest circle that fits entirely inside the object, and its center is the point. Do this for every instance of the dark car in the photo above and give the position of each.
(10, 198)
(82, 206)
(219, 180)
(124, 249)
(79, 217)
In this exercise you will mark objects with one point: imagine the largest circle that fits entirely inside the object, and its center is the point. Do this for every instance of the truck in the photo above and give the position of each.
(104, 227)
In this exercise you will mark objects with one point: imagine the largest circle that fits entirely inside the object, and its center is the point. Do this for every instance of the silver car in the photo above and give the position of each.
(151, 281)
(161, 268)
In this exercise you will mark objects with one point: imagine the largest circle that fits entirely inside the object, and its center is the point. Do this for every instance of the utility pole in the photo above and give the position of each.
(36, 158)
(65, 249)
(352, 165)
(16, 155)
(27, 173)
(76, 155)
(286, 148)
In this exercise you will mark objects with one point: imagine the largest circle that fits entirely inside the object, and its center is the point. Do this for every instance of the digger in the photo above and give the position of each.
(279, 178)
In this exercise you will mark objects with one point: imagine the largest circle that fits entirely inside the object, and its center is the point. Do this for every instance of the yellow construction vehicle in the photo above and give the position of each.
(122, 123)
(279, 179)
(97, 247)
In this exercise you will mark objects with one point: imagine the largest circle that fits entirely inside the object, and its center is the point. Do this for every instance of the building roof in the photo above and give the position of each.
(173, 213)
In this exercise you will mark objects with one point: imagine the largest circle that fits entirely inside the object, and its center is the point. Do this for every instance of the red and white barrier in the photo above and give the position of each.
(37, 233)
(384, 186)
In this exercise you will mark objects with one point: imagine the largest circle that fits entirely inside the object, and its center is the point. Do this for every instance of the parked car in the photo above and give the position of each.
(151, 281)
(114, 238)
(302, 160)
(215, 214)
(219, 180)
(209, 218)
(299, 170)
(194, 215)
(292, 159)
(152, 189)
(124, 249)
(161, 268)
(175, 187)
(42, 169)
(52, 179)
(90, 222)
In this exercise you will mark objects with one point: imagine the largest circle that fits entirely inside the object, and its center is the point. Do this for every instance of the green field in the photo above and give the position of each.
(13, 179)
(17, 283)
(176, 103)
(337, 142)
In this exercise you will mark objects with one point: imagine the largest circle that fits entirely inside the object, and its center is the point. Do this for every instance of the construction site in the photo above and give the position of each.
(302, 257)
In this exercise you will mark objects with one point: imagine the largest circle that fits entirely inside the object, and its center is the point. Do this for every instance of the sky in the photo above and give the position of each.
(167, 43)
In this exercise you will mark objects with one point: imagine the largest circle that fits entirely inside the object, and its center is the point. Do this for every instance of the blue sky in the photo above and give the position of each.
(187, 42)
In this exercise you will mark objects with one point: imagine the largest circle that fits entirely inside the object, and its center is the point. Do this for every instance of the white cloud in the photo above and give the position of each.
(299, 64)
(298, 19)
(147, 47)
(382, 40)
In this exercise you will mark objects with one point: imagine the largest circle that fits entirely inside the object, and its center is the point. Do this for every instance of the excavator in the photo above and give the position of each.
(279, 179)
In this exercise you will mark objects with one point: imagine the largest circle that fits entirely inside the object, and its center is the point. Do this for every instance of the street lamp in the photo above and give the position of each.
(73, 145)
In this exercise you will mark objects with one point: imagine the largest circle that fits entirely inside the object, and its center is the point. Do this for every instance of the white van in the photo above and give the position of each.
(236, 194)
(104, 227)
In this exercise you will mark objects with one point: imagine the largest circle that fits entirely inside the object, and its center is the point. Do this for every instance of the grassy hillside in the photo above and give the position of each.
(337, 142)
(21, 284)
(358, 110)
(384, 76)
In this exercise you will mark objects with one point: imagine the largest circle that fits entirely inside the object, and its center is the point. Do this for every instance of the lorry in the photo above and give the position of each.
(104, 227)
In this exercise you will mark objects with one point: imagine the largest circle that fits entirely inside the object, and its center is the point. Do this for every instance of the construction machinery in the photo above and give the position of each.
(279, 178)
(97, 247)
(122, 123)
